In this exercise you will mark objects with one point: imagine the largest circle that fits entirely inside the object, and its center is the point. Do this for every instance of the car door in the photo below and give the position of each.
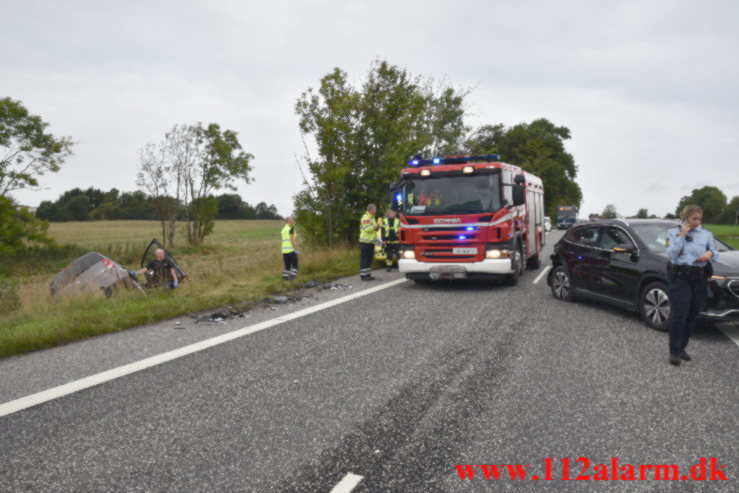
(585, 253)
(617, 276)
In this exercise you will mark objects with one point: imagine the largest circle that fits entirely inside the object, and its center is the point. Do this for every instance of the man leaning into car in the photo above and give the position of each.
(690, 249)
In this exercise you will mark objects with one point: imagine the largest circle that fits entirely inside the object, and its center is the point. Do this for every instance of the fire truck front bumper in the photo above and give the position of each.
(488, 268)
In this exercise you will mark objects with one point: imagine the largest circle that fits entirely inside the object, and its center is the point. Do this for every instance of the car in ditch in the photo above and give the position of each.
(623, 262)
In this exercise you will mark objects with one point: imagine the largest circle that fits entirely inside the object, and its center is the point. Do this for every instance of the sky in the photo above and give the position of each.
(649, 90)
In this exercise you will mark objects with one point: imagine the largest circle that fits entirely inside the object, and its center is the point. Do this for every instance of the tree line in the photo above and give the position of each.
(94, 204)
(717, 209)
(364, 134)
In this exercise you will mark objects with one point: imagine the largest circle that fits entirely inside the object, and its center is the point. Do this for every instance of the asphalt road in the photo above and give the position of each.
(397, 387)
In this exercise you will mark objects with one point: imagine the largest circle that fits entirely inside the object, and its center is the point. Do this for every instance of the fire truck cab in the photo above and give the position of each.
(468, 217)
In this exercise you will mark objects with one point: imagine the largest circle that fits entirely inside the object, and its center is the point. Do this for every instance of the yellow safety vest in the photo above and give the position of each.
(287, 244)
(390, 226)
(367, 228)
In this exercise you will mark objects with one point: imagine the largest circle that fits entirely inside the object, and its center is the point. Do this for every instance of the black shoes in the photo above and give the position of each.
(674, 359)
(683, 355)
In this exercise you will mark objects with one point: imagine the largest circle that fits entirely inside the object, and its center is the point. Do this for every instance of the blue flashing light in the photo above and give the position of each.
(414, 162)
(437, 160)
(398, 197)
(462, 237)
(470, 228)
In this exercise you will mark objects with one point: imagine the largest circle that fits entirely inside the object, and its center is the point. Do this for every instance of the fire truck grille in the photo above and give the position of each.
(447, 237)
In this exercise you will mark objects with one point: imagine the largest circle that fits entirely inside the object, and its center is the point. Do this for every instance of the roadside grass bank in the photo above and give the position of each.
(240, 264)
(727, 233)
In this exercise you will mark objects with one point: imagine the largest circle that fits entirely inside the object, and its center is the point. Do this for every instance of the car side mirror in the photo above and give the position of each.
(623, 248)
(519, 195)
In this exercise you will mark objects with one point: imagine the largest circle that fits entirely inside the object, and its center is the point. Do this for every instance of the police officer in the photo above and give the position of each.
(390, 226)
(690, 249)
(289, 250)
(367, 232)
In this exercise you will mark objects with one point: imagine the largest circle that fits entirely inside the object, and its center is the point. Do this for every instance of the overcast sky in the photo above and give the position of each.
(648, 89)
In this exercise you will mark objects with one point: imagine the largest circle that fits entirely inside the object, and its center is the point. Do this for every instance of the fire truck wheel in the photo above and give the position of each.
(517, 267)
(534, 262)
(561, 284)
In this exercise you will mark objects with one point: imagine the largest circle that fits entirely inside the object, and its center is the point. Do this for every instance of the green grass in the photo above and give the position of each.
(725, 232)
(239, 264)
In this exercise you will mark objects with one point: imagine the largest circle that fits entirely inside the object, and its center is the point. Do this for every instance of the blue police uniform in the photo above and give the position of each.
(688, 283)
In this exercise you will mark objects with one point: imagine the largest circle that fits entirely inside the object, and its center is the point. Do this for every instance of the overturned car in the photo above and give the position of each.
(94, 273)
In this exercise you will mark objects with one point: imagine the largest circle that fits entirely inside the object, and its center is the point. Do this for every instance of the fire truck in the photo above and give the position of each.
(467, 217)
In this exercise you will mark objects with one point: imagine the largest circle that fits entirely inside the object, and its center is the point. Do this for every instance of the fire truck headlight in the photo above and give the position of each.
(495, 253)
(425, 172)
(468, 169)
(410, 254)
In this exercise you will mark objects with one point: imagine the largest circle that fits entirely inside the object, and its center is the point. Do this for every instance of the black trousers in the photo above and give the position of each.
(366, 253)
(392, 253)
(687, 295)
(291, 265)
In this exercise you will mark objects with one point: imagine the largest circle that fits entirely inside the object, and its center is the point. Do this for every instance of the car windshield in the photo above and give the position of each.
(654, 235)
(452, 195)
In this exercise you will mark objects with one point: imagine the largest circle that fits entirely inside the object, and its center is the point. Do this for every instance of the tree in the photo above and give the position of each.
(710, 199)
(26, 150)
(19, 229)
(642, 214)
(731, 214)
(609, 212)
(154, 177)
(264, 211)
(364, 135)
(196, 161)
(78, 208)
(537, 147)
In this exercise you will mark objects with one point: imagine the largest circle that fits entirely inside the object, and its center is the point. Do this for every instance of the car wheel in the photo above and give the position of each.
(517, 268)
(561, 284)
(654, 306)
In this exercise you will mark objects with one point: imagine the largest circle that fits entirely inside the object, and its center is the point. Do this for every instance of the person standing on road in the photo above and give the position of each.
(367, 232)
(289, 250)
(690, 250)
(390, 226)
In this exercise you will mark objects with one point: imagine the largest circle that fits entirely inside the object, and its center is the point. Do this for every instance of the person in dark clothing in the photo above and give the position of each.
(161, 271)
(390, 226)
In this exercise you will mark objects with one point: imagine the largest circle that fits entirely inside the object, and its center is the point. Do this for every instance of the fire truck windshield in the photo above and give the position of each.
(452, 195)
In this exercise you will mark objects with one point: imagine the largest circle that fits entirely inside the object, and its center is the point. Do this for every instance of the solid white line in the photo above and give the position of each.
(106, 376)
(347, 484)
(538, 278)
(731, 331)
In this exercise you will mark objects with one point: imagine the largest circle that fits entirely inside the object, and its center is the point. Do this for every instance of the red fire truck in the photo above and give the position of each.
(468, 217)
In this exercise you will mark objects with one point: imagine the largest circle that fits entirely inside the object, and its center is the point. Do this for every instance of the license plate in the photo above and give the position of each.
(464, 251)
(447, 269)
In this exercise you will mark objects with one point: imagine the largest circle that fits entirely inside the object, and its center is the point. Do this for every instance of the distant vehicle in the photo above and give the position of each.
(566, 216)
(468, 217)
(624, 263)
(547, 224)
(594, 217)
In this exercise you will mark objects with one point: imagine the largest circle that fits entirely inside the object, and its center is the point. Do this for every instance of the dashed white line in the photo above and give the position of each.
(347, 484)
(731, 331)
(106, 376)
(542, 274)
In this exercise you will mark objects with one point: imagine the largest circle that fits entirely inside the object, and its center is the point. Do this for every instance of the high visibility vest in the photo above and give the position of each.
(390, 229)
(287, 244)
(367, 228)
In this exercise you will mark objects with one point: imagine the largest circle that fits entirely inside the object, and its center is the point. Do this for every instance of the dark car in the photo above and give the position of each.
(623, 262)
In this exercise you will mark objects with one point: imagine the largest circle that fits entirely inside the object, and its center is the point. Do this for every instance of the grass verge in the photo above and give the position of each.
(59, 323)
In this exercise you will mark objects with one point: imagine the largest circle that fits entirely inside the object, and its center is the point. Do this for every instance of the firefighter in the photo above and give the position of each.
(690, 249)
(390, 227)
(289, 250)
(367, 232)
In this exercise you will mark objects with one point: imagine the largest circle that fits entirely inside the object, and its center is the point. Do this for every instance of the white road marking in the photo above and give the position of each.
(347, 484)
(731, 331)
(538, 278)
(106, 376)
